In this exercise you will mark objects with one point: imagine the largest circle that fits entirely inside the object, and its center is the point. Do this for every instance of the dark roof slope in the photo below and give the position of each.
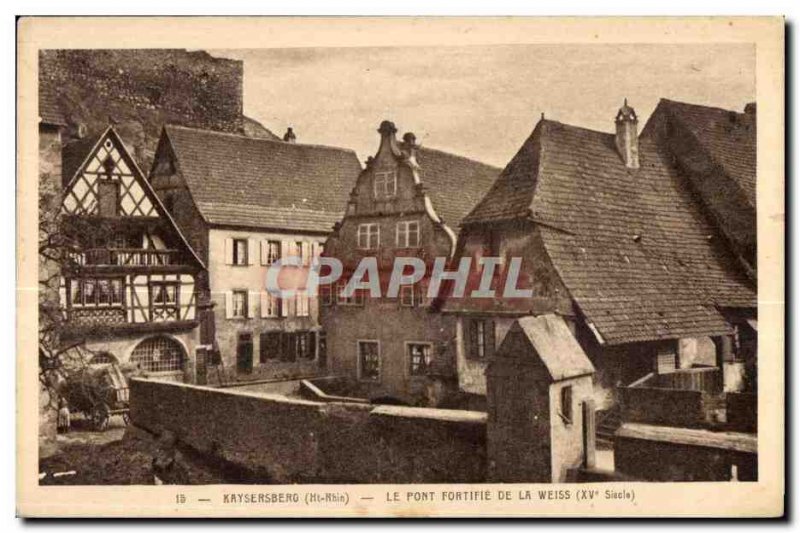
(728, 136)
(253, 128)
(241, 181)
(632, 246)
(75, 152)
(50, 111)
(454, 183)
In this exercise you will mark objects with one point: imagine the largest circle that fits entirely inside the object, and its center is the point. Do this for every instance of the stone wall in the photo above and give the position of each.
(284, 440)
(667, 407)
(141, 90)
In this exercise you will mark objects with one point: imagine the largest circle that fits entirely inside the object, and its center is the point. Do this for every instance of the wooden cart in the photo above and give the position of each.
(99, 392)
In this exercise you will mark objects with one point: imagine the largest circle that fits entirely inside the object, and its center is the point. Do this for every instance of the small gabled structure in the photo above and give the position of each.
(128, 287)
(539, 395)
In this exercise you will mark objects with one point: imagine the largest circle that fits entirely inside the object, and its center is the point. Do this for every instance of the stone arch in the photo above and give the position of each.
(159, 353)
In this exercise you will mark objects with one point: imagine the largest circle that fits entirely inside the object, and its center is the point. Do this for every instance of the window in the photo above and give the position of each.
(369, 360)
(305, 344)
(158, 354)
(369, 236)
(297, 250)
(239, 304)
(566, 404)
(481, 338)
(271, 252)
(301, 303)
(357, 298)
(419, 358)
(164, 299)
(288, 353)
(409, 296)
(102, 292)
(269, 346)
(270, 305)
(385, 183)
(407, 234)
(239, 252)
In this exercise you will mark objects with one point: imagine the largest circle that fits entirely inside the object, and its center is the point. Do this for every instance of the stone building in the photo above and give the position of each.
(408, 202)
(128, 282)
(140, 90)
(615, 237)
(243, 203)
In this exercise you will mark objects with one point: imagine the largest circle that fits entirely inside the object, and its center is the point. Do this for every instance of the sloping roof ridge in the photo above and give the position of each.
(259, 139)
(669, 101)
(425, 148)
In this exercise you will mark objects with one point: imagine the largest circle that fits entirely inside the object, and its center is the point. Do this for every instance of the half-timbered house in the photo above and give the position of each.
(128, 290)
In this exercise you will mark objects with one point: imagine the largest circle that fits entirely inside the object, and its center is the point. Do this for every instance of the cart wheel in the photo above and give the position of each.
(126, 417)
(100, 417)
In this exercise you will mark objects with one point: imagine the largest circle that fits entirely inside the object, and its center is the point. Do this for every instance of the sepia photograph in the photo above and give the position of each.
(478, 273)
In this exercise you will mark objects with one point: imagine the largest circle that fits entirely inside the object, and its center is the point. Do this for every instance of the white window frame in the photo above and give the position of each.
(365, 235)
(427, 363)
(406, 290)
(403, 233)
(270, 305)
(385, 183)
(234, 294)
(235, 259)
(361, 377)
(272, 252)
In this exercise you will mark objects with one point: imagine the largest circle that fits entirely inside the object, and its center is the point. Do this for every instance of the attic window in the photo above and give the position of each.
(385, 183)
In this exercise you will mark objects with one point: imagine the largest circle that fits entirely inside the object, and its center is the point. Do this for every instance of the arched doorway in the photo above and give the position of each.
(159, 354)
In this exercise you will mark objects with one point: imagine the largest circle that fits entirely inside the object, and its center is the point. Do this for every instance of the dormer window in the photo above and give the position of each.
(385, 183)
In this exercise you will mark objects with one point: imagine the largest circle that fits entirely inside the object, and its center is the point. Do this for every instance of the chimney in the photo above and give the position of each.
(289, 136)
(627, 139)
(387, 129)
(750, 108)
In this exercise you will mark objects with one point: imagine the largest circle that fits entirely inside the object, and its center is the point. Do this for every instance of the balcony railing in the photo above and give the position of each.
(124, 257)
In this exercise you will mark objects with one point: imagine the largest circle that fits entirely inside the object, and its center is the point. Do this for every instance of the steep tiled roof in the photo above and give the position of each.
(454, 183)
(241, 181)
(728, 136)
(632, 246)
(49, 110)
(74, 153)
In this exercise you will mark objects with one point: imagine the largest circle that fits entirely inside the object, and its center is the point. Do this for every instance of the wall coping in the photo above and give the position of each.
(445, 415)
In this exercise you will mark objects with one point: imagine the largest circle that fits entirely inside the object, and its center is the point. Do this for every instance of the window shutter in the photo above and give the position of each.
(285, 249)
(228, 304)
(490, 338)
(285, 306)
(264, 253)
(316, 249)
(312, 344)
(251, 251)
(265, 307)
(305, 248)
(252, 299)
(472, 339)
(228, 251)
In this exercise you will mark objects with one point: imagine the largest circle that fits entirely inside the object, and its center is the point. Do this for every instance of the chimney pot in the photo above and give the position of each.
(289, 136)
(627, 137)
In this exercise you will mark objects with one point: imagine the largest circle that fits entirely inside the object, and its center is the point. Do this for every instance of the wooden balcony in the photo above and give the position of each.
(124, 257)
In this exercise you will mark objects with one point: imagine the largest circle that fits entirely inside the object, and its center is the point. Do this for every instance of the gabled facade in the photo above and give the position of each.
(396, 346)
(128, 291)
(612, 237)
(244, 203)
